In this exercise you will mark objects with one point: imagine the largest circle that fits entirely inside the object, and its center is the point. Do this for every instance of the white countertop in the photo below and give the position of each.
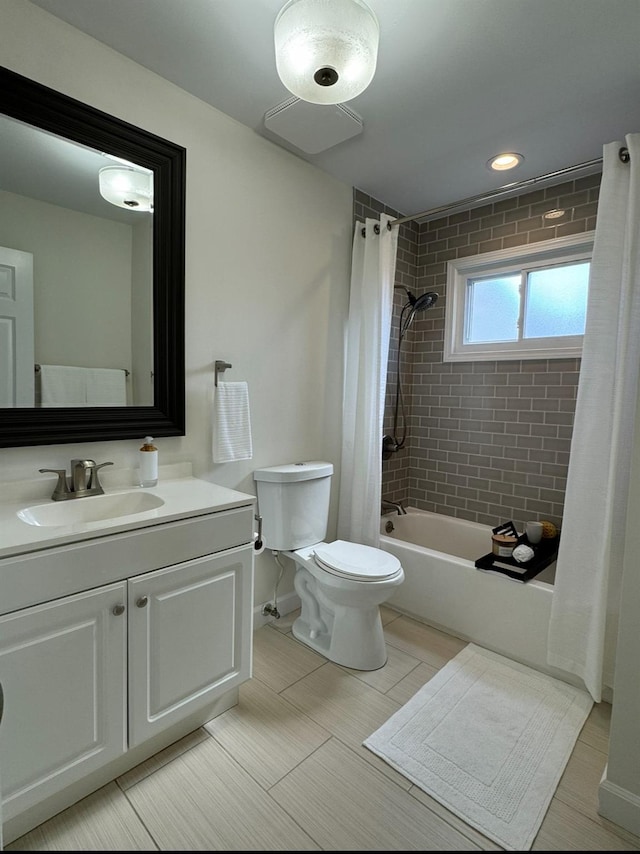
(183, 497)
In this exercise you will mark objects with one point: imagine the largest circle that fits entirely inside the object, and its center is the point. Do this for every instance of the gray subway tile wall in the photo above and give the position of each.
(486, 441)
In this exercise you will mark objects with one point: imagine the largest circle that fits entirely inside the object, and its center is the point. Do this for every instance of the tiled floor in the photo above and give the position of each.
(285, 769)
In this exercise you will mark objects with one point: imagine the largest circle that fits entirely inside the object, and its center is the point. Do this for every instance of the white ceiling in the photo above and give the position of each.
(457, 82)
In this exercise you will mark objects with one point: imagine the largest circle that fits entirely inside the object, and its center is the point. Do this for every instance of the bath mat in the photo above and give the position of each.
(489, 739)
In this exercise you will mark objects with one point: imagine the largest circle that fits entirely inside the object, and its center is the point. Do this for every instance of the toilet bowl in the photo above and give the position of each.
(340, 584)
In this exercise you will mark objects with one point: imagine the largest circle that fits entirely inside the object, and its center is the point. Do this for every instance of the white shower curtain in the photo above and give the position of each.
(367, 350)
(584, 612)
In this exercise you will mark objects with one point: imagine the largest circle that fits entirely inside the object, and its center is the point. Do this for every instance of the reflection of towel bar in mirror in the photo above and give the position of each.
(220, 367)
(36, 367)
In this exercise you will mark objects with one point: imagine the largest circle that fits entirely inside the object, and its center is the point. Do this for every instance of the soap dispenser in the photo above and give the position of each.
(148, 455)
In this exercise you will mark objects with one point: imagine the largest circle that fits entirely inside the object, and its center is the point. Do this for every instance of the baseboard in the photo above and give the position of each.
(286, 604)
(619, 805)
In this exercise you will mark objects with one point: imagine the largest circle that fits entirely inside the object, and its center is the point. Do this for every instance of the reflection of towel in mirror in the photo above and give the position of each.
(64, 385)
(231, 423)
(106, 387)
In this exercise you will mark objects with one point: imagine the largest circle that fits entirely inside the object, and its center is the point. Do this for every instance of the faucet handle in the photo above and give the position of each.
(95, 481)
(62, 486)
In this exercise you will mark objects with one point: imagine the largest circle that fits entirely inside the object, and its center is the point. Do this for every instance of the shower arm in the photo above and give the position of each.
(412, 298)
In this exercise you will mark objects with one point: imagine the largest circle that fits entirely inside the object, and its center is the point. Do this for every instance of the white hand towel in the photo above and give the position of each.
(231, 423)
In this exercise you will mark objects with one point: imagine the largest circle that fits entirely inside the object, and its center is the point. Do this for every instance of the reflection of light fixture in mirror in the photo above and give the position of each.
(326, 50)
(555, 213)
(507, 160)
(127, 187)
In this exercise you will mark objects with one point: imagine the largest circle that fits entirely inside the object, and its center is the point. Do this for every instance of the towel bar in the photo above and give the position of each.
(36, 368)
(220, 367)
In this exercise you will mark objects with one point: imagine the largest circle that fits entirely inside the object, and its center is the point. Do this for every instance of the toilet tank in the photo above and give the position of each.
(293, 500)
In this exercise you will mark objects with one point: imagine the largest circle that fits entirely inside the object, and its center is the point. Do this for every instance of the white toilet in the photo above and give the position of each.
(340, 584)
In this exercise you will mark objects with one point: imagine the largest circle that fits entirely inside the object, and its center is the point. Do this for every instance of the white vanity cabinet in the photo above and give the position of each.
(62, 666)
(186, 639)
(97, 680)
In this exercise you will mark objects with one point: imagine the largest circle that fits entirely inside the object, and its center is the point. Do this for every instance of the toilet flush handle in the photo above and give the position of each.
(257, 543)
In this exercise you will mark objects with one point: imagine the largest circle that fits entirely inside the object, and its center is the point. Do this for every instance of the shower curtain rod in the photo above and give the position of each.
(623, 154)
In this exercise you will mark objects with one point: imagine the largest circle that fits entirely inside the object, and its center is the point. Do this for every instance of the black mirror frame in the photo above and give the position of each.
(38, 105)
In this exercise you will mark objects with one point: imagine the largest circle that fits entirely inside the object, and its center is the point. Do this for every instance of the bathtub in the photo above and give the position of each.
(443, 588)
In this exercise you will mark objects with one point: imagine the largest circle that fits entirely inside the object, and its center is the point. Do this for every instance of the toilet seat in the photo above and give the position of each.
(356, 561)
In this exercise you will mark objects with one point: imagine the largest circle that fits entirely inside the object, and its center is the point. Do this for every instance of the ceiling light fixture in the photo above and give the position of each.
(504, 161)
(127, 187)
(326, 50)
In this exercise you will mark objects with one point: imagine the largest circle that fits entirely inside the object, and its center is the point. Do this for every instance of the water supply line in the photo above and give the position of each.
(271, 610)
(268, 609)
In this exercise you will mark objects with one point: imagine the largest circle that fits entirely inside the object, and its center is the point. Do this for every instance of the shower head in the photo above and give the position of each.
(416, 304)
(425, 301)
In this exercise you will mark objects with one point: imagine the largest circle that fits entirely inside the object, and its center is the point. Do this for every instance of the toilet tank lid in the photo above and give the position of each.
(294, 471)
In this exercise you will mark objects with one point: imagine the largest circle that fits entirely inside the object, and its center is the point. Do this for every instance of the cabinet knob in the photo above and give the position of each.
(118, 610)
(142, 602)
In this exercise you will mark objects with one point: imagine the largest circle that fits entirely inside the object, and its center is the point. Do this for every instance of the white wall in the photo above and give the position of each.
(268, 245)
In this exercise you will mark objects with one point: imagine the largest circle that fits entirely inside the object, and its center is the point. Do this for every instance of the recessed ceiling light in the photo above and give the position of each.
(556, 213)
(504, 161)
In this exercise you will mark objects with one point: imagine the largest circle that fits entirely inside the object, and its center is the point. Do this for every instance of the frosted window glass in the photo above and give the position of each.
(493, 308)
(556, 301)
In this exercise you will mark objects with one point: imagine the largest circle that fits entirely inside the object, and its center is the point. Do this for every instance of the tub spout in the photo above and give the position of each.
(392, 505)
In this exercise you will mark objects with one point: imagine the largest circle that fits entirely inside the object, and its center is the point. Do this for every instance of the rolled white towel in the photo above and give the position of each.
(522, 553)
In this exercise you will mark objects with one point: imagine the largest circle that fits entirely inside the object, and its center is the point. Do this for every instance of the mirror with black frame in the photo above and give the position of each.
(92, 241)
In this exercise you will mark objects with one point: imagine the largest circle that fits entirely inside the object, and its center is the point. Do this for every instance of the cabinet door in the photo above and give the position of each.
(190, 635)
(62, 667)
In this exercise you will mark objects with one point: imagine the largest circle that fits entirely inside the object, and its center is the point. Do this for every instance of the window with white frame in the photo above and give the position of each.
(529, 302)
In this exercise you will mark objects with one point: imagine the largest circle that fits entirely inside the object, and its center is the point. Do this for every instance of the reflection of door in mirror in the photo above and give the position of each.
(16, 328)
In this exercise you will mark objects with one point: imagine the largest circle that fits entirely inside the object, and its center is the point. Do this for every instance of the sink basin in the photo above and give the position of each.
(95, 508)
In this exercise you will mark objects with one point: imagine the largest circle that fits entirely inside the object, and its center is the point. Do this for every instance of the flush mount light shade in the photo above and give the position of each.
(127, 187)
(326, 50)
(507, 160)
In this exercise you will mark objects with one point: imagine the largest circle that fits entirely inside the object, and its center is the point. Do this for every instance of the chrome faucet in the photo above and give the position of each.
(392, 505)
(83, 481)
